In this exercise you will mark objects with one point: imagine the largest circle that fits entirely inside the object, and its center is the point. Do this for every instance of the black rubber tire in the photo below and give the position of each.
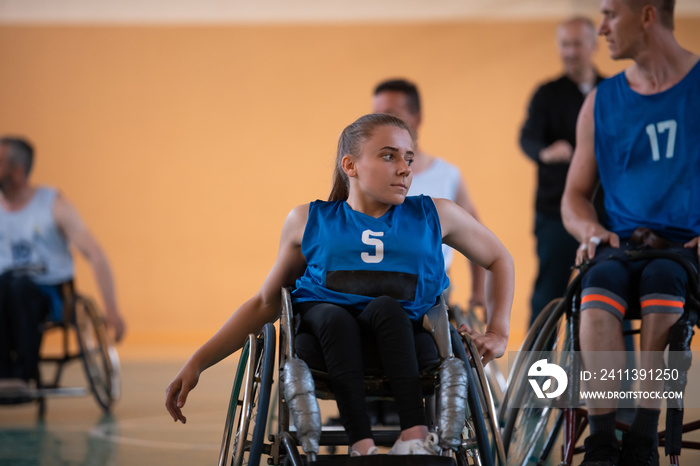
(514, 375)
(529, 431)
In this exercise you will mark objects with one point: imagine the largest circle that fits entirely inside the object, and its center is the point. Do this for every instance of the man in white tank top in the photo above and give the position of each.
(37, 228)
(431, 176)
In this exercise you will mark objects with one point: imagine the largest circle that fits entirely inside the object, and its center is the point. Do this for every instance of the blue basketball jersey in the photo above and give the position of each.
(353, 258)
(648, 153)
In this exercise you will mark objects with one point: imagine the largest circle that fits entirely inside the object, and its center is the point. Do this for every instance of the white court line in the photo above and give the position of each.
(103, 432)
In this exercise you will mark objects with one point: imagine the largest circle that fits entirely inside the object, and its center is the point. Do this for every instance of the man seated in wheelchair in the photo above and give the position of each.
(367, 264)
(37, 227)
(649, 169)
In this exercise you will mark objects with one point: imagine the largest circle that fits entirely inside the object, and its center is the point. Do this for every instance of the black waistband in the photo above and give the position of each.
(398, 285)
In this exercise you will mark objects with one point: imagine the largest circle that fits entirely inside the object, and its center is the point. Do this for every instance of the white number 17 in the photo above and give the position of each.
(653, 130)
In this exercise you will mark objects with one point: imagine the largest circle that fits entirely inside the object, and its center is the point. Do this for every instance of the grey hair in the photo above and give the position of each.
(21, 152)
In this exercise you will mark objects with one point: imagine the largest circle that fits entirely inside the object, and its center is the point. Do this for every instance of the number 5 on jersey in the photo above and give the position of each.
(367, 238)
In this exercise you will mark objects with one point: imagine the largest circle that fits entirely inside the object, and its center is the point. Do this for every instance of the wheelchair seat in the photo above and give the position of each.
(94, 348)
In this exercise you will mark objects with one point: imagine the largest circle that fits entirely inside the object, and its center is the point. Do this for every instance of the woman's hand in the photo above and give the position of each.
(489, 345)
(177, 391)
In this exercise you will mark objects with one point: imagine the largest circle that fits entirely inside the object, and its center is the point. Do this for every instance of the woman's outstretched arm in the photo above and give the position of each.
(262, 308)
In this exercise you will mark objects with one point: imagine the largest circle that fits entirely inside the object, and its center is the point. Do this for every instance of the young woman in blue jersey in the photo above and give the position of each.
(368, 261)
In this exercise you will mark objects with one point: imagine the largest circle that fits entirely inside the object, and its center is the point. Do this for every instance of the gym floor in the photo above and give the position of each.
(139, 431)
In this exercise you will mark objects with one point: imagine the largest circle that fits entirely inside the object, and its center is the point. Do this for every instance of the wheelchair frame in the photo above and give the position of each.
(244, 439)
(530, 432)
(83, 320)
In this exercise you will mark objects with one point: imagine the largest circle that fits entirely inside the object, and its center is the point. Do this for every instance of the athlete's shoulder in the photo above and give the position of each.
(298, 216)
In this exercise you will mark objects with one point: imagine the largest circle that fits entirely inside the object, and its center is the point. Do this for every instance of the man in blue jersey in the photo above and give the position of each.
(639, 134)
(37, 228)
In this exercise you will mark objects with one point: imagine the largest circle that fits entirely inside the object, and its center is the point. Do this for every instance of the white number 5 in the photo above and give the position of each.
(653, 130)
(378, 247)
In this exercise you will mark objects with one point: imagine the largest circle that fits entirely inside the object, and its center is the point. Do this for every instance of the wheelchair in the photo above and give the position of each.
(495, 378)
(249, 435)
(82, 335)
(531, 426)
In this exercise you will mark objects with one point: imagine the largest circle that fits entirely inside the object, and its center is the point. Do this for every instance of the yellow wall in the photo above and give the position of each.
(185, 147)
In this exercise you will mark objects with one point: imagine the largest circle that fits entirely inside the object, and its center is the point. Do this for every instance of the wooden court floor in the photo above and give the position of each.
(139, 431)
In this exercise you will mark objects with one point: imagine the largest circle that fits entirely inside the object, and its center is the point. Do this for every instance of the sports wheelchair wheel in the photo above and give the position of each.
(533, 424)
(493, 376)
(527, 345)
(477, 445)
(100, 359)
(250, 400)
(486, 402)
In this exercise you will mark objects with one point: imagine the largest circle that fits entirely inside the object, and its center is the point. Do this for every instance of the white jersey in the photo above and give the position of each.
(441, 179)
(30, 239)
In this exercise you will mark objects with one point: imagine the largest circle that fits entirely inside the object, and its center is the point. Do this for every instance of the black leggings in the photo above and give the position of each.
(23, 307)
(339, 330)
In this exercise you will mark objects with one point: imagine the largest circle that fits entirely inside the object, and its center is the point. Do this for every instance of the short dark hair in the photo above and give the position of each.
(664, 8)
(21, 152)
(404, 86)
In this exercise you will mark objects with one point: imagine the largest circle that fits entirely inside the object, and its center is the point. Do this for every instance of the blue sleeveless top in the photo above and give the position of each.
(648, 153)
(353, 258)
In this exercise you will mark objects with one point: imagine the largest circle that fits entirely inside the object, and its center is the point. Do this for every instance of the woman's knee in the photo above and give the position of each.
(382, 311)
(328, 320)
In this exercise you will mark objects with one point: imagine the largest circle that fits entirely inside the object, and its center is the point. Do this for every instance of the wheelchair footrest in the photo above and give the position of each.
(384, 460)
(15, 398)
(335, 435)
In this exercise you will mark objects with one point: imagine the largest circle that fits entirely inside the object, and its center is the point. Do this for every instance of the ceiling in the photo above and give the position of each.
(294, 11)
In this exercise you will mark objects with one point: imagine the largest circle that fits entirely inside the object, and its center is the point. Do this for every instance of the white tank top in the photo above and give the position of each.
(441, 179)
(30, 238)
